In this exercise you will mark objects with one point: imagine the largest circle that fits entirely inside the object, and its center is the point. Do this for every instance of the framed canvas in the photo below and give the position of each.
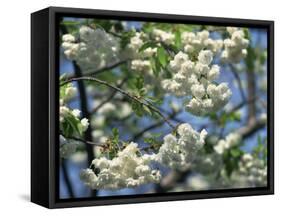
(139, 107)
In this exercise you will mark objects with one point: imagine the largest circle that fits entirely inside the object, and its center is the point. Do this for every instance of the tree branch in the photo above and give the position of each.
(109, 97)
(251, 128)
(251, 90)
(85, 141)
(132, 97)
(100, 70)
(237, 77)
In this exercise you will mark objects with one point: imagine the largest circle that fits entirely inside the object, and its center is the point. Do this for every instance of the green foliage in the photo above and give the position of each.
(71, 26)
(162, 56)
(71, 126)
(126, 37)
(115, 138)
(156, 66)
(260, 150)
(231, 159)
(149, 44)
(149, 26)
(138, 108)
(225, 117)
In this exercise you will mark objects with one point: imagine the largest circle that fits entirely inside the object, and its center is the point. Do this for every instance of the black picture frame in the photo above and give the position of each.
(44, 107)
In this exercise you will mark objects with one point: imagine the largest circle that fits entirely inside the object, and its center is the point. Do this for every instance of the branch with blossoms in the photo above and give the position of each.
(132, 97)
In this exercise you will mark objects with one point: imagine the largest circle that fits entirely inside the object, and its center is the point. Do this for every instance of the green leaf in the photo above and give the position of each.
(74, 123)
(139, 82)
(263, 57)
(137, 108)
(115, 133)
(125, 38)
(154, 100)
(147, 109)
(236, 152)
(162, 57)
(147, 45)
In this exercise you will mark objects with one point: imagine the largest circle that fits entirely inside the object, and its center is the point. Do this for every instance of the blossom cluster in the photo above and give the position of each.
(128, 169)
(131, 168)
(207, 164)
(139, 63)
(178, 151)
(163, 36)
(231, 140)
(142, 66)
(235, 47)
(70, 122)
(67, 92)
(66, 112)
(67, 147)
(92, 48)
(252, 171)
(195, 42)
(195, 80)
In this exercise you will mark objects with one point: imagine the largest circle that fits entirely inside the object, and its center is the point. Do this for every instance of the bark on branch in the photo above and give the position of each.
(132, 97)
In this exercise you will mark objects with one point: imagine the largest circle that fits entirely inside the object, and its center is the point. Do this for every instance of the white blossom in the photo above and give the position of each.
(65, 112)
(177, 152)
(95, 49)
(107, 108)
(124, 109)
(252, 172)
(205, 57)
(195, 42)
(149, 52)
(230, 141)
(68, 38)
(84, 124)
(136, 41)
(68, 92)
(76, 113)
(163, 36)
(235, 47)
(207, 164)
(128, 170)
(142, 66)
(196, 79)
(197, 182)
(98, 121)
(79, 157)
(67, 147)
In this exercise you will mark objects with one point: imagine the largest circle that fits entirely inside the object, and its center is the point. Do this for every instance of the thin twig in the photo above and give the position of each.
(100, 70)
(85, 141)
(124, 93)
